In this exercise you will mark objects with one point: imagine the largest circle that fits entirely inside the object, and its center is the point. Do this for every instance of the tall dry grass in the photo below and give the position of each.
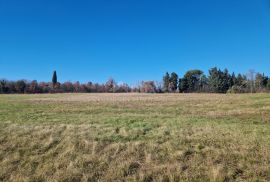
(135, 137)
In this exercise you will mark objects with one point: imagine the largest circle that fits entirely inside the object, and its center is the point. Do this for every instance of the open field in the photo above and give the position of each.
(135, 137)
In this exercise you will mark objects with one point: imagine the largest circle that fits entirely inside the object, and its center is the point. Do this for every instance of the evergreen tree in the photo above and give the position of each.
(183, 85)
(240, 80)
(265, 81)
(191, 80)
(220, 81)
(173, 82)
(166, 82)
(233, 79)
(261, 81)
(226, 80)
(179, 85)
(214, 79)
(20, 86)
(3, 87)
(54, 78)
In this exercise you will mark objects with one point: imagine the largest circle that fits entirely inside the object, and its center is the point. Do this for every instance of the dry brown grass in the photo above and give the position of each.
(135, 137)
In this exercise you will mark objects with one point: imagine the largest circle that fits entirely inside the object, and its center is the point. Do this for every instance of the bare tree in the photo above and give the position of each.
(251, 79)
(148, 87)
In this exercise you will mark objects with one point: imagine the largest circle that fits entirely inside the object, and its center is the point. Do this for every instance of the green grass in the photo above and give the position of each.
(135, 137)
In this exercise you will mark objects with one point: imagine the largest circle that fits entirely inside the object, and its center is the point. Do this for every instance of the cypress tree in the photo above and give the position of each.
(54, 78)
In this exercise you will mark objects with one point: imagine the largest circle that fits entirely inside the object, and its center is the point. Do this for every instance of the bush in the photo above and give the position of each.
(238, 89)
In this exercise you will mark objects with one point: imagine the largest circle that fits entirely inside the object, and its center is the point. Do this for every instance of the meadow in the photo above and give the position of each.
(135, 137)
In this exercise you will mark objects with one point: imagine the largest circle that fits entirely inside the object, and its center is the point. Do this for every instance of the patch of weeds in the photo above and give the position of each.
(146, 130)
(132, 169)
(200, 147)
(187, 154)
(237, 172)
(167, 133)
(166, 179)
(148, 178)
(117, 130)
(183, 167)
(37, 179)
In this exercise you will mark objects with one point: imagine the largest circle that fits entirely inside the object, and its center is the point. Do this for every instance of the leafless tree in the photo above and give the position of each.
(251, 78)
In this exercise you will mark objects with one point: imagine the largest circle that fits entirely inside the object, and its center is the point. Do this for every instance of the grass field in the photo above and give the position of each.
(135, 137)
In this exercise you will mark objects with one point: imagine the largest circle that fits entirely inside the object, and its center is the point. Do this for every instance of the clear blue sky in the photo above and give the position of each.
(131, 40)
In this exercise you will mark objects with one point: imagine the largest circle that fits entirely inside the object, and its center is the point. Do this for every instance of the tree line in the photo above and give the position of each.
(193, 81)
(217, 81)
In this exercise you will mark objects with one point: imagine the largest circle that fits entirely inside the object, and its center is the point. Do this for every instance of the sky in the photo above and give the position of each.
(131, 40)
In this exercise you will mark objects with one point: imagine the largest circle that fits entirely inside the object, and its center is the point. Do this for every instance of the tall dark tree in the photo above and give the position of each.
(240, 80)
(179, 85)
(265, 80)
(233, 79)
(166, 82)
(227, 80)
(20, 86)
(191, 80)
(54, 78)
(261, 81)
(3, 87)
(173, 82)
(183, 85)
(220, 81)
